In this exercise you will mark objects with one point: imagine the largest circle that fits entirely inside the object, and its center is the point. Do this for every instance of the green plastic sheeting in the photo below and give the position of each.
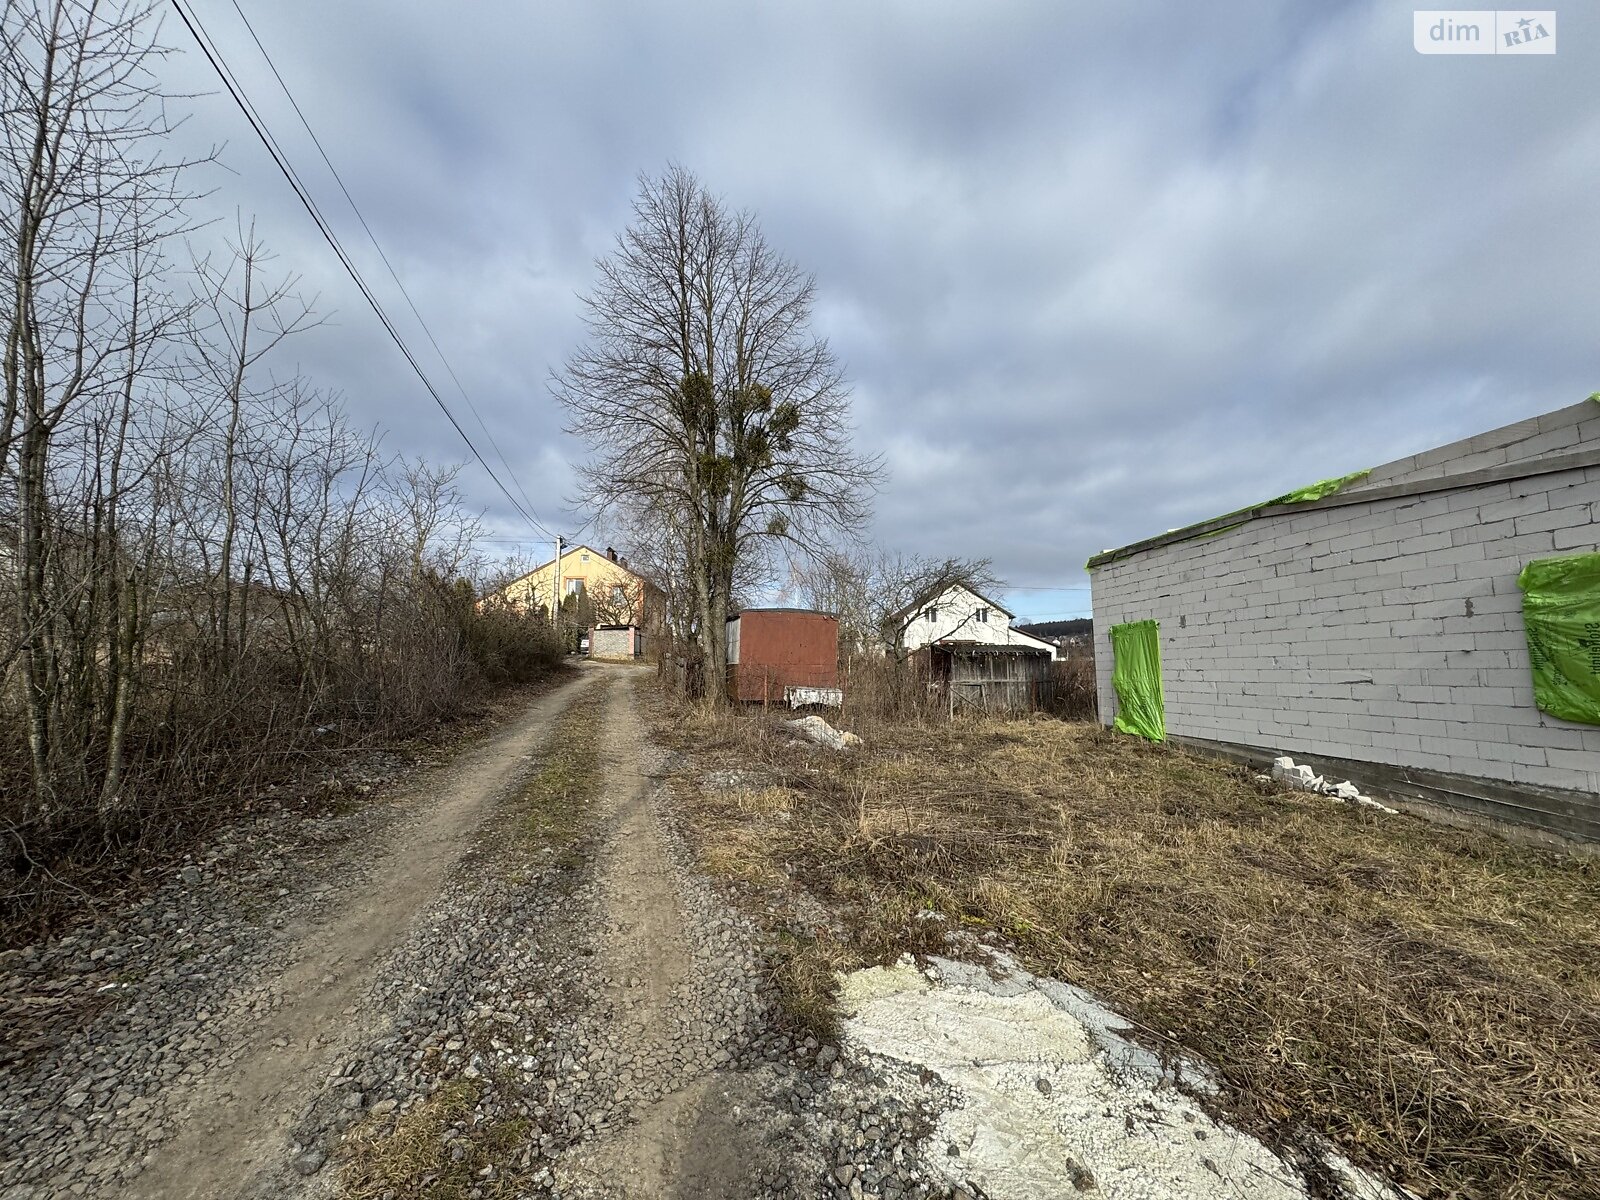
(1316, 491)
(1136, 674)
(1561, 611)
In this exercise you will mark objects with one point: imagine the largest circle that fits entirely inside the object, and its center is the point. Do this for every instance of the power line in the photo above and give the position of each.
(280, 159)
(371, 237)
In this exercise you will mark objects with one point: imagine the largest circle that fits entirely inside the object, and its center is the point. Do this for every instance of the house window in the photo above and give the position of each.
(931, 613)
(981, 615)
(574, 587)
(583, 557)
(619, 594)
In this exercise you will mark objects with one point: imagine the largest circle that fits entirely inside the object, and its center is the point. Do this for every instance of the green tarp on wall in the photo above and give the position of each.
(1136, 675)
(1561, 611)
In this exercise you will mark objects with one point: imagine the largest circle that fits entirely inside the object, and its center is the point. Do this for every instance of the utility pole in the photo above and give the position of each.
(555, 600)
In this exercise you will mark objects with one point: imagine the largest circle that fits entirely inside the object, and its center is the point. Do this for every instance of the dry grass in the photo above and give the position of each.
(805, 967)
(1428, 998)
(416, 1158)
(555, 809)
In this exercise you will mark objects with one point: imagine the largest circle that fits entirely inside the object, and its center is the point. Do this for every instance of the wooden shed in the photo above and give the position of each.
(783, 656)
(990, 677)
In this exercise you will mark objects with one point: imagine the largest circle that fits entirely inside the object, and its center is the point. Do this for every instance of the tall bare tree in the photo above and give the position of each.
(709, 404)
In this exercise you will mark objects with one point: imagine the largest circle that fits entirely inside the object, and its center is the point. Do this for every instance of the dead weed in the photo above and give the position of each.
(1428, 998)
(418, 1156)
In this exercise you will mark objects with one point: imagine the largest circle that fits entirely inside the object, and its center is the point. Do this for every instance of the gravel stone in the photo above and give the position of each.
(501, 984)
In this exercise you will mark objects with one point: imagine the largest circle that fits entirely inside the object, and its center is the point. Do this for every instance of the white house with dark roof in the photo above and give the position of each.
(957, 614)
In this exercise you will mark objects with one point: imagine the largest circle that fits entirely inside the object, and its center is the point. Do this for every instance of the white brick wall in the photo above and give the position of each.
(1553, 433)
(1389, 632)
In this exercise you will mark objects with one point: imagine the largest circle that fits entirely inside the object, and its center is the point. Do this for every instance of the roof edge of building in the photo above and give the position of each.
(934, 592)
(780, 608)
(1506, 472)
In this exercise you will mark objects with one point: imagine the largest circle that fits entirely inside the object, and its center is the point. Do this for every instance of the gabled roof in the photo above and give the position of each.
(570, 550)
(938, 590)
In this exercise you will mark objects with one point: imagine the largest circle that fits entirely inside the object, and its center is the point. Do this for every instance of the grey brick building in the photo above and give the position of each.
(1377, 632)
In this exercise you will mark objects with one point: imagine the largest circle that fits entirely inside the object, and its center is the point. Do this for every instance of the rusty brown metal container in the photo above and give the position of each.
(773, 649)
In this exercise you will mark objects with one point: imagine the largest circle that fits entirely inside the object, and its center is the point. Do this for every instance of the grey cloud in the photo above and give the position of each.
(1094, 274)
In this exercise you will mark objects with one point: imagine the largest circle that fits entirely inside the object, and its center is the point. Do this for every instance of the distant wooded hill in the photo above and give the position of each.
(1049, 629)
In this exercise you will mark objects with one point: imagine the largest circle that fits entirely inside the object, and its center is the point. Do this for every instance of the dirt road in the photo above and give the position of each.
(224, 1070)
(232, 1122)
(664, 1014)
(497, 976)
(504, 975)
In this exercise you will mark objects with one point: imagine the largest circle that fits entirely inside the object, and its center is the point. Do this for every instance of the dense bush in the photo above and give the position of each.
(508, 644)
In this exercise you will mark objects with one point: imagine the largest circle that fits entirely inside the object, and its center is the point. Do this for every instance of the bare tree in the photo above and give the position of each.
(710, 406)
(87, 201)
(248, 319)
(436, 527)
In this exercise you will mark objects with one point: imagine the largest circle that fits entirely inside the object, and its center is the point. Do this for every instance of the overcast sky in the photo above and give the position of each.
(1094, 271)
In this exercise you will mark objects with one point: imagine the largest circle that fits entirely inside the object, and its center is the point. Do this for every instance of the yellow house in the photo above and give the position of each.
(618, 595)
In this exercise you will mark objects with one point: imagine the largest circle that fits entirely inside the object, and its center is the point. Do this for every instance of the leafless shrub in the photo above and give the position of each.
(211, 580)
(882, 688)
(1075, 696)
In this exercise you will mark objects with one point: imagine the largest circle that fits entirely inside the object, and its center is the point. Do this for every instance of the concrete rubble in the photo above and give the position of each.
(1303, 779)
(817, 730)
(1052, 1098)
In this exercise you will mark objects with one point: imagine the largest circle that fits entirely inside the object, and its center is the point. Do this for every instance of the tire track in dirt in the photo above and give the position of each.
(685, 1138)
(234, 1124)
